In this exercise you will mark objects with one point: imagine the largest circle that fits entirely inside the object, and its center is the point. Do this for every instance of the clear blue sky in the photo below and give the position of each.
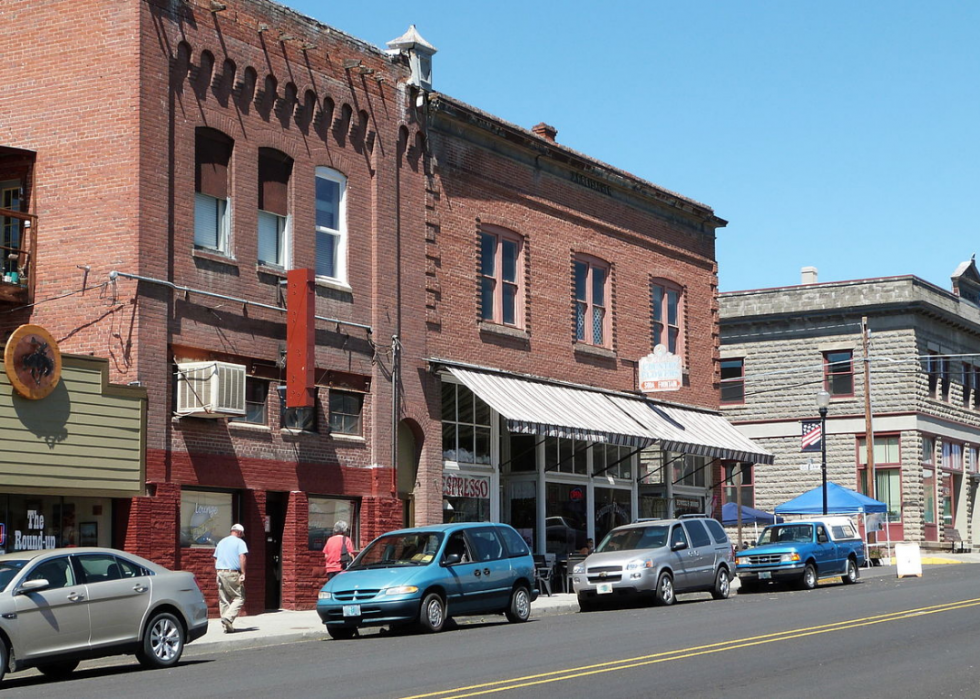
(841, 134)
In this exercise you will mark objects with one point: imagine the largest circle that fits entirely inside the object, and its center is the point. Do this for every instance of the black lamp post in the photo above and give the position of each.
(823, 400)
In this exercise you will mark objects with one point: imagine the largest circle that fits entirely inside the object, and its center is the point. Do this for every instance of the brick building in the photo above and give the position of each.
(481, 296)
(781, 346)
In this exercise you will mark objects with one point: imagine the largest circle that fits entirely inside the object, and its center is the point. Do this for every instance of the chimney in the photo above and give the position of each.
(808, 275)
(545, 131)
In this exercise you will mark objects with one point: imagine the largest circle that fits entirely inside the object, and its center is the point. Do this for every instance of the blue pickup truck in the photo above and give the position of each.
(802, 552)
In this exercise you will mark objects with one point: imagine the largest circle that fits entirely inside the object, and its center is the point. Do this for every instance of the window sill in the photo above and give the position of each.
(271, 270)
(288, 431)
(335, 284)
(593, 351)
(504, 331)
(249, 426)
(352, 438)
(214, 256)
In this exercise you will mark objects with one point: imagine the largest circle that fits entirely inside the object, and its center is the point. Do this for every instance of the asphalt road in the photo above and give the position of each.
(885, 637)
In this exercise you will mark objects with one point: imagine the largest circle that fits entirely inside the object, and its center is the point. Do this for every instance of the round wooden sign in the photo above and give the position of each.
(32, 361)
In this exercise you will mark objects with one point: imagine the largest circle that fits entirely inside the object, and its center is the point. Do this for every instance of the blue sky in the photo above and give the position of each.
(839, 134)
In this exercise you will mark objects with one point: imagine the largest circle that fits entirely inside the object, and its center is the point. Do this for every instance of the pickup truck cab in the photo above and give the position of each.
(803, 552)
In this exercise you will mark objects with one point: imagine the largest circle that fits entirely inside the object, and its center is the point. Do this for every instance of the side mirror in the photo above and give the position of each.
(451, 559)
(678, 546)
(32, 586)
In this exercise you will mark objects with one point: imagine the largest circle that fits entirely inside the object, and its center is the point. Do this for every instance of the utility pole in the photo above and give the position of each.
(868, 429)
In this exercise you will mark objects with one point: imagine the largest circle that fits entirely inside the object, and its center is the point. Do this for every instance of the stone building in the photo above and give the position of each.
(781, 346)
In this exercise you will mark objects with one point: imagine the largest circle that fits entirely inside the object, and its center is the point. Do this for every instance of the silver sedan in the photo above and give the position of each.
(60, 606)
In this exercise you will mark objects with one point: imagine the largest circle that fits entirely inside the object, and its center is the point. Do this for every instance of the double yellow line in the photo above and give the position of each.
(640, 661)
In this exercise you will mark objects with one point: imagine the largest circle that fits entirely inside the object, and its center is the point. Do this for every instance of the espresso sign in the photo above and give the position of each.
(465, 486)
(32, 361)
(660, 371)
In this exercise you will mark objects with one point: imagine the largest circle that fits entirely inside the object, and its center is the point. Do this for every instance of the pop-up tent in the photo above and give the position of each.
(729, 515)
(840, 501)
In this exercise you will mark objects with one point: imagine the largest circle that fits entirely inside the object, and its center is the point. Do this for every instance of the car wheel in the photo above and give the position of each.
(850, 572)
(163, 642)
(4, 658)
(809, 579)
(664, 595)
(585, 604)
(342, 633)
(520, 606)
(723, 585)
(432, 615)
(59, 670)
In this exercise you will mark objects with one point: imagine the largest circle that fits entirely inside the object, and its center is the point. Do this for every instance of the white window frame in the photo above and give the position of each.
(340, 233)
(283, 235)
(223, 225)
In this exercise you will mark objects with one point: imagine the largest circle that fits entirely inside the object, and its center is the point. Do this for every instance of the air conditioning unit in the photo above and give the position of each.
(210, 389)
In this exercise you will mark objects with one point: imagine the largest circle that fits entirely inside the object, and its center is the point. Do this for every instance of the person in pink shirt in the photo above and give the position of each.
(338, 552)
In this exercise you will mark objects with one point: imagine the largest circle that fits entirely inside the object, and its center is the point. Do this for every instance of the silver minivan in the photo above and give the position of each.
(657, 559)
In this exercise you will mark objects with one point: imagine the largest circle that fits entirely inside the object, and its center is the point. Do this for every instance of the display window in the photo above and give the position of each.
(31, 522)
(324, 513)
(205, 517)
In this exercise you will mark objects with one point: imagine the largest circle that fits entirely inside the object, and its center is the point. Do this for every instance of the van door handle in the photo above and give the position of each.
(486, 571)
(476, 572)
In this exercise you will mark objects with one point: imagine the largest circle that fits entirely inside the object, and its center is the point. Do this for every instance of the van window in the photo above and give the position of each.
(699, 535)
(516, 546)
(486, 545)
(717, 531)
(677, 535)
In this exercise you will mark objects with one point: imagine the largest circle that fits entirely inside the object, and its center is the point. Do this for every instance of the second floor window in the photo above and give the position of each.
(838, 373)
(732, 380)
(500, 278)
(345, 412)
(747, 486)
(256, 393)
(591, 303)
(666, 303)
(331, 225)
(9, 226)
(274, 171)
(211, 191)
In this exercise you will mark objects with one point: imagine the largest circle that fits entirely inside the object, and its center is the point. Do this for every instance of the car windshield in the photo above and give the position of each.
(651, 537)
(8, 569)
(799, 533)
(391, 550)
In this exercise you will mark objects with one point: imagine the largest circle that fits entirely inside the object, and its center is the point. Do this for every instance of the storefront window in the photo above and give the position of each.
(689, 470)
(566, 518)
(42, 522)
(888, 482)
(465, 497)
(565, 455)
(324, 512)
(612, 509)
(928, 481)
(522, 453)
(608, 459)
(521, 509)
(465, 426)
(205, 517)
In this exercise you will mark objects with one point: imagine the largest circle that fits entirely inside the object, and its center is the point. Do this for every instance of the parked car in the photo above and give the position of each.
(657, 559)
(60, 606)
(428, 574)
(803, 552)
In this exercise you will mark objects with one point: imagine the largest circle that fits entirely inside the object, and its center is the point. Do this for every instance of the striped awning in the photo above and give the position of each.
(553, 410)
(688, 431)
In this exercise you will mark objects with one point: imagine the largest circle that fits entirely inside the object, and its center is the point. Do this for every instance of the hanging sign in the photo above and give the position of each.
(32, 362)
(660, 371)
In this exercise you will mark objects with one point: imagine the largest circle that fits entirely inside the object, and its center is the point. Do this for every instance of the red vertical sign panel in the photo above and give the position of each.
(300, 338)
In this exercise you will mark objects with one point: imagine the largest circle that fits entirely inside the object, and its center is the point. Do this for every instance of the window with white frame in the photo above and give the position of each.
(275, 169)
(211, 189)
(592, 317)
(563, 455)
(666, 310)
(331, 225)
(345, 412)
(465, 426)
(256, 396)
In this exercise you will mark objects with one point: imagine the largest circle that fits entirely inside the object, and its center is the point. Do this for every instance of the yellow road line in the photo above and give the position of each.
(640, 661)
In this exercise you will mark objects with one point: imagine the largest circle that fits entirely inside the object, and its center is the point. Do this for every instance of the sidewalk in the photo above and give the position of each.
(284, 626)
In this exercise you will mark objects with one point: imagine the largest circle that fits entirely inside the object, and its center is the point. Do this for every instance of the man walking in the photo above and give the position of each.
(229, 562)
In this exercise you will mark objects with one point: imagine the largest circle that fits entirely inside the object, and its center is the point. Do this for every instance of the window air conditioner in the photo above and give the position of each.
(210, 389)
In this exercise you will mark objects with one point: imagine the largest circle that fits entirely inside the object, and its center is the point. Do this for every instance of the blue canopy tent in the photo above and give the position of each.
(729, 515)
(840, 501)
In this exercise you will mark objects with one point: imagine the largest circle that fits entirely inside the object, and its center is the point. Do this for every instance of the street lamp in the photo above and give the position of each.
(823, 400)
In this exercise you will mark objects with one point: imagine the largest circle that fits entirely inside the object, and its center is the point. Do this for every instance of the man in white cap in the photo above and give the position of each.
(229, 561)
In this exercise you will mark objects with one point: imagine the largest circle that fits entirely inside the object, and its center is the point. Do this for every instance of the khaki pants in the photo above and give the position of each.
(231, 594)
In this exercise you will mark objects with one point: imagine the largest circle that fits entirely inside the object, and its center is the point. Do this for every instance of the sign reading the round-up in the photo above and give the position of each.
(660, 371)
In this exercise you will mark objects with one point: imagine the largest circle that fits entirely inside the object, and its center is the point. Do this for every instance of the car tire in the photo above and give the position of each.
(585, 604)
(58, 670)
(850, 572)
(163, 642)
(432, 614)
(519, 609)
(341, 633)
(664, 595)
(723, 585)
(809, 579)
(4, 658)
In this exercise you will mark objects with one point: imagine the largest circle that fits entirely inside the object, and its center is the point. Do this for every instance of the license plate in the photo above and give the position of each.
(352, 610)
(765, 576)
(603, 589)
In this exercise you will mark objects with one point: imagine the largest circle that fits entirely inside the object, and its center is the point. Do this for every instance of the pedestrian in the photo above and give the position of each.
(338, 552)
(588, 548)
(229, 562)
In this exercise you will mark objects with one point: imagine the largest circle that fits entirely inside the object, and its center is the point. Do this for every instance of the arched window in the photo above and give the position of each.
(212, 160)
(275, 169)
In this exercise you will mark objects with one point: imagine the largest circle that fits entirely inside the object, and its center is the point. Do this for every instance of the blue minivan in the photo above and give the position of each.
(427, 574)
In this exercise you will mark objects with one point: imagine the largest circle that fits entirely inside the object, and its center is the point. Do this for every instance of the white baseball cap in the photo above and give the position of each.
(238, 528)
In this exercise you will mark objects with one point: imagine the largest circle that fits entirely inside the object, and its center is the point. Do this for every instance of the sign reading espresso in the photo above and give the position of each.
(32, 362)
(454, 486)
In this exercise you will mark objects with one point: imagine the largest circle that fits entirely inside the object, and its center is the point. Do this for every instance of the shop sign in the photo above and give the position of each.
(32, 541)
(454, 486)
(32, 361)
(660, 371)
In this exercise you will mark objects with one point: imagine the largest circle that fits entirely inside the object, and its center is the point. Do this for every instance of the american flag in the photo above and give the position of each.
(812, 435)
